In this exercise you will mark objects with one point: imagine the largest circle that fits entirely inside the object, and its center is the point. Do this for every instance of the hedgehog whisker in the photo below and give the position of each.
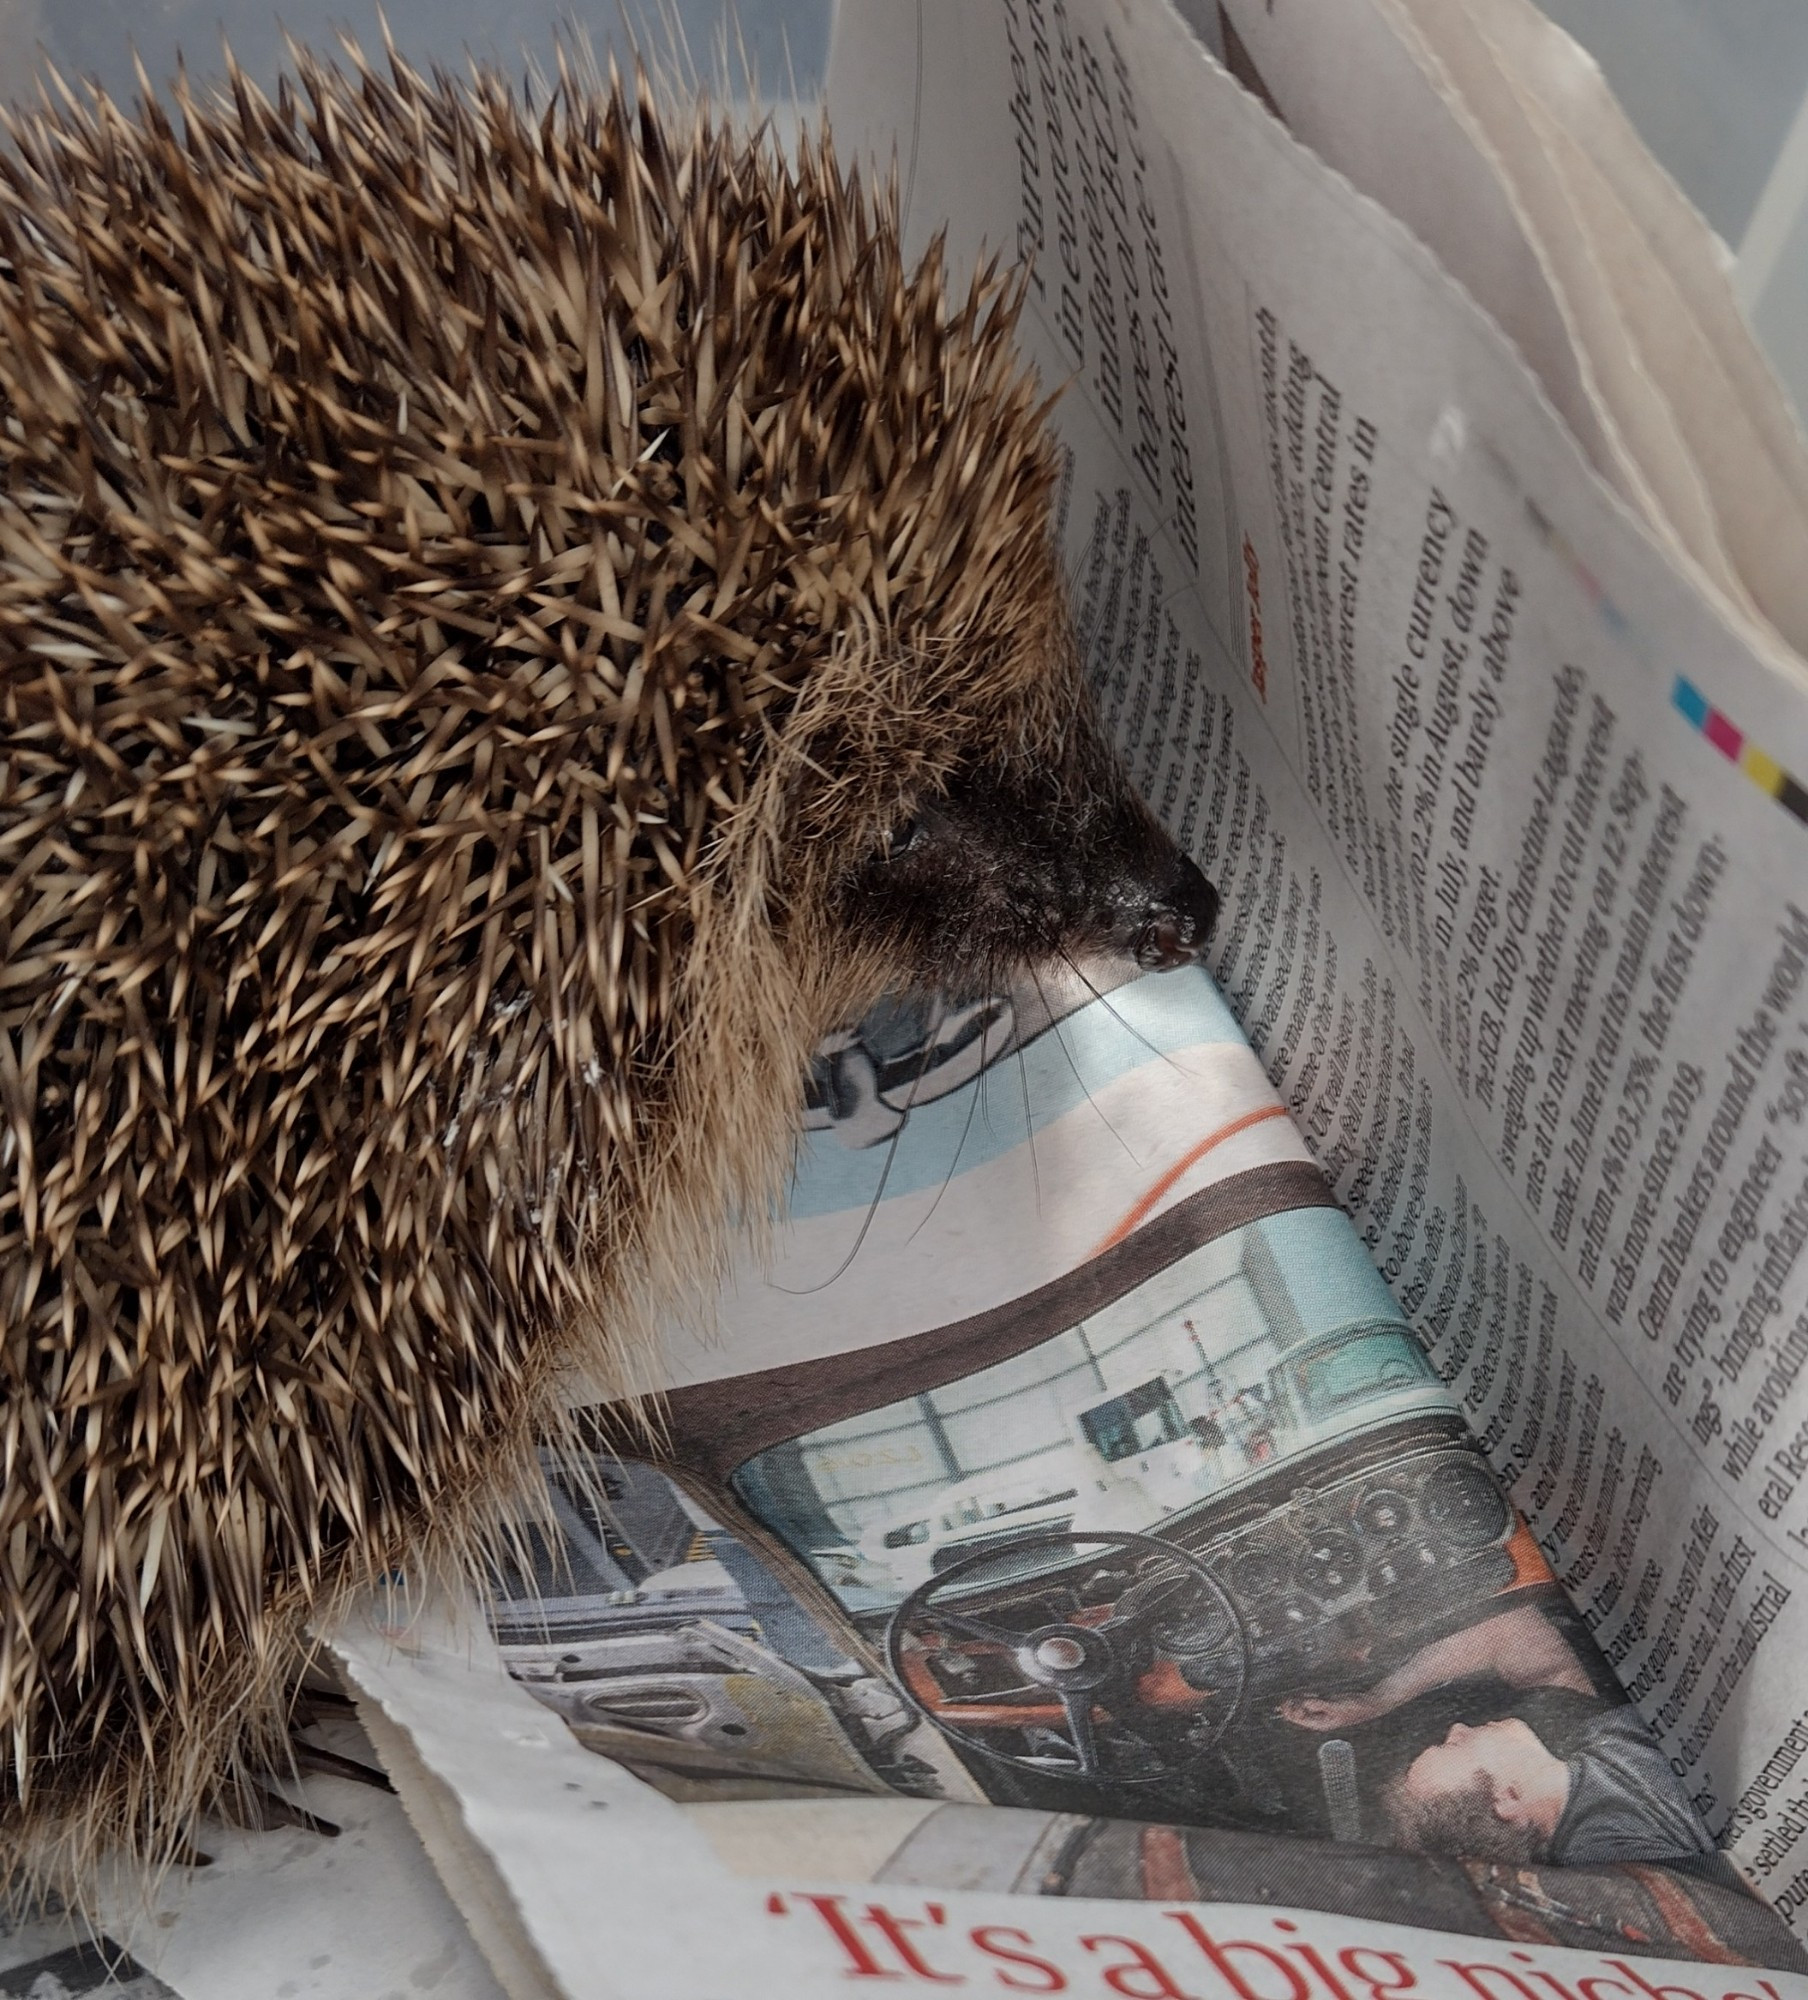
(959, 1148)
(1105, 1002)
(1085, 1087)
(872, 1207)
(866, 1223)
(1029, 1124)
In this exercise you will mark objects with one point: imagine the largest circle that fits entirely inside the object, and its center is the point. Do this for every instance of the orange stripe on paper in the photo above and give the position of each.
(1140, 1211)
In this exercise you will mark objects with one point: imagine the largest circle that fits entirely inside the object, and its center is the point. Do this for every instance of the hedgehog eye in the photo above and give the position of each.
(904, 839)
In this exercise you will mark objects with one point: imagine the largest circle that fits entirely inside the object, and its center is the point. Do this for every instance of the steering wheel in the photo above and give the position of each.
(1123, 1691)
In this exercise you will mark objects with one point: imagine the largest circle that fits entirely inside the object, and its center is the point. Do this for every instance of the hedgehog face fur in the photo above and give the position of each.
(510, 627)
(1005, 868)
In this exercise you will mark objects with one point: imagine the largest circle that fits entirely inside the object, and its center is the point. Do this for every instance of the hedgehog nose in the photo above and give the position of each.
(1178, 920)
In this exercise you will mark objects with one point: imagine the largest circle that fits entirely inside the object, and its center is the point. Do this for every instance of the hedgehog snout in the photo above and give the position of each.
(1172, 928)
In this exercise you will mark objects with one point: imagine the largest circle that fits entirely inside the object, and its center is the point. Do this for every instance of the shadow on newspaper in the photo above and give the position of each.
(37, 1964)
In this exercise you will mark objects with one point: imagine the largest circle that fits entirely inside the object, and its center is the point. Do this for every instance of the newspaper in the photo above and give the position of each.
(332, 1898)
(1458, 650)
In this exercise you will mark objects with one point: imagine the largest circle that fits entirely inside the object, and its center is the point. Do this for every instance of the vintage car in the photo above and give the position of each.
(1118, 1623)
(1066, 1652)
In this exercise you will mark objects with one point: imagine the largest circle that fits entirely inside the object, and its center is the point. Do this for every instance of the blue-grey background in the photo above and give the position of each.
(96, 37)
(1719, 88)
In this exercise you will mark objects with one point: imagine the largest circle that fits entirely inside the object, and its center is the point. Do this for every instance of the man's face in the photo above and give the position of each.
(1523, 1775)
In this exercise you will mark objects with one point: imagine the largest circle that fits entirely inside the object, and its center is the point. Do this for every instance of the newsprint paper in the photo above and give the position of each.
(1292, 1485)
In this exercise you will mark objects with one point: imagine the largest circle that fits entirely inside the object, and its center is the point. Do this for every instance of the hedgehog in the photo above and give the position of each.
(517, 616)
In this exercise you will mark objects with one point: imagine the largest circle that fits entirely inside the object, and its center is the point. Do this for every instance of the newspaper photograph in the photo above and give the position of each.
(1145, 1581)
(1190, 1535)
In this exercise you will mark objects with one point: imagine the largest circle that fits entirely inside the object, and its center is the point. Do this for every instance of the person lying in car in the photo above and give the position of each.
(1569, 1777)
